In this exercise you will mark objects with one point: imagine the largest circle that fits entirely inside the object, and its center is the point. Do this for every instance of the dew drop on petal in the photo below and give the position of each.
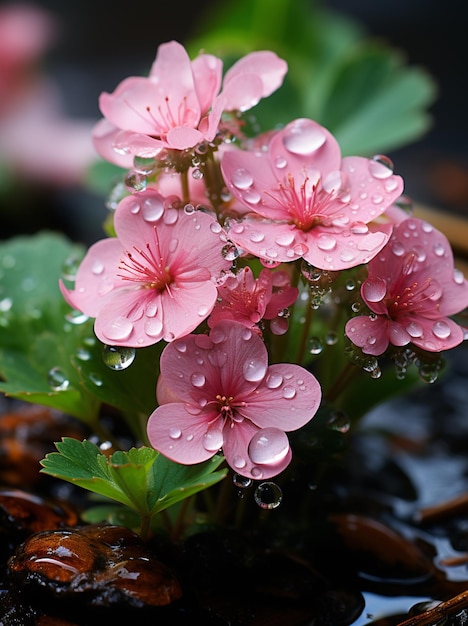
(256, 236)
(285, 239)
(359, 228)
(302, 137)
(254, 370)
(326, 242)
(153, 327)
(289, 392)
(268, 446)
(197, 380)
(216, 227)
(239, 462)
(273, 381)
(414, 329)
(381, 166)
(441, 329)
(175, 433)
(242, 178)
(119, 329)
(268, 495)
(152, 209)
(118, 357)
(213, 440)
(374, 289)
(458, 276)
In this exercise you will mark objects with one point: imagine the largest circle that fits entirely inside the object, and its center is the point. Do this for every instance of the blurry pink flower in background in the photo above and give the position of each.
(411, 289)
(38, 141)
(221, 394)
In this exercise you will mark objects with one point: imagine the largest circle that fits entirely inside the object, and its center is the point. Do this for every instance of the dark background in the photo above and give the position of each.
(100, 42)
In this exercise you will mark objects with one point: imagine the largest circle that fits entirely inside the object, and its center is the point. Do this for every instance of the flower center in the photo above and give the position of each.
(142, 266)
(227, 410)
(309, 205)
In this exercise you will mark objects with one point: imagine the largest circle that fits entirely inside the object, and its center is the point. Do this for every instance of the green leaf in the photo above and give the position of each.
(363, 92)
(141, 479)
(36, 340)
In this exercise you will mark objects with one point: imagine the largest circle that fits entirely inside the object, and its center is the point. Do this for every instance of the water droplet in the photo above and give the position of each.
(254, 370)
(144, 165)
(289, 392)
(303, 137)
(57, 379)
(281, 162)
(381, 166)
(428, 372)
(374, 289)
(152, 209)
(268, 495)
(285, 239)
(441, 329)
(268, 446)
(242, 482)
(216, 227)
(359, 228)
(273, 381)
(239, 462)
(256, 236)
(331, 338)
(197, 174)
(326, 242)
(135, 181)
(315, 345)
(339, 421)
(118, 357)
(230, 252)
(95, 379)
(189, 209)
(119, 329)
(213, 440)
(414, 329)
(197, 380)
(153, 327)
(242, 178)
(439, 249)
(70, 267)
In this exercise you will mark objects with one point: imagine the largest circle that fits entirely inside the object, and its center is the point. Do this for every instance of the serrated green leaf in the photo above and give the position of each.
(141, 478)
(171, 482)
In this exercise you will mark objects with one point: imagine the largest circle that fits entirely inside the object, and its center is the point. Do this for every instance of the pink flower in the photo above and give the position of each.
(179, 104)
(221, 394)
(248, 300)
(306, 201)
(411, 289)
(156, 279)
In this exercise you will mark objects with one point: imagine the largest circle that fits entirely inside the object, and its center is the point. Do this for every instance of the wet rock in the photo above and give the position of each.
(103, 565)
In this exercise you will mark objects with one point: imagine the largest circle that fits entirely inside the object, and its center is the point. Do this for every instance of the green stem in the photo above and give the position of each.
(348, 373)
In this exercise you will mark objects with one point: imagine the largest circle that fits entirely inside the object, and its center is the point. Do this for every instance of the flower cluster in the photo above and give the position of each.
(229, 248)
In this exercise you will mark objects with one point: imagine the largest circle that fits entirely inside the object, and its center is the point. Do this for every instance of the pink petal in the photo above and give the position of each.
(287, 398)
(439, 335)
(96, 277)
(103, 136)
(304, 145)
(179, 434)
(236, 451)
(183, 137)
(370, 335)
(207, 72)
(342, 249)
(264, 64)
(370, 194)
(275, 242)
(242, 92)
